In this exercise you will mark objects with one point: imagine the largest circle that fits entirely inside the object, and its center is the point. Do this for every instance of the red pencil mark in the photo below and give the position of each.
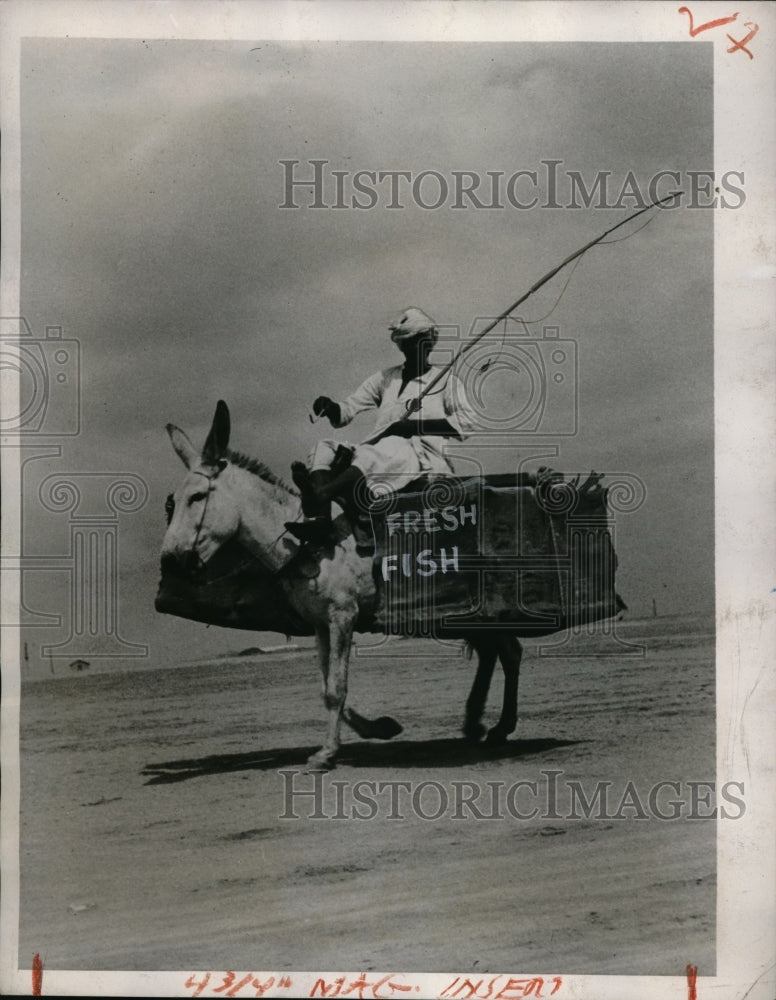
(387, 981)
(499, 988)
(515, 988)
(692, 975)
(454, 989)
(197, 985)
(708, 24)
(327, 989)
(381, 989)
(37, 975)
(261, 988)
(231, 985)
(243, 982)
(388, 987)
(742, 44)
(229, 978)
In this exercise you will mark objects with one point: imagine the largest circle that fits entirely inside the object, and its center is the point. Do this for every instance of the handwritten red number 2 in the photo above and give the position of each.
(709, 24)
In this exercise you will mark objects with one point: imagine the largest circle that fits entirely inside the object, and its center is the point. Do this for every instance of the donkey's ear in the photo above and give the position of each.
(218, 438)
(183, 447)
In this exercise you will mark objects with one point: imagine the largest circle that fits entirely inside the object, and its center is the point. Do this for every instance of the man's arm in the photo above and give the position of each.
(459, 409)
(366, 397)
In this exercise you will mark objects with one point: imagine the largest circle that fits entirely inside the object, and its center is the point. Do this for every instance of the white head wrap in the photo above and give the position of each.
(410, 322)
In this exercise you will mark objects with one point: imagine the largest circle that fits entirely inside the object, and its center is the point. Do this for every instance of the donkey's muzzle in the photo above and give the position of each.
(232, 590)
(185, 565)
(180, 586)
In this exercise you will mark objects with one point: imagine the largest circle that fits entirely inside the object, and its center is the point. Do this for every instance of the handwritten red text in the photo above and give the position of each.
(739, 45)
(500, 988)
(380, 989)
(247, 985)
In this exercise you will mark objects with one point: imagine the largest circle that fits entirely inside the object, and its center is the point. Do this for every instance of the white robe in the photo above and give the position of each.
(398, 460)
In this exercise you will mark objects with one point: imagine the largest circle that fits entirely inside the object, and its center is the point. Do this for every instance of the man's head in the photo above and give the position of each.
(409, 323)
(413, 331)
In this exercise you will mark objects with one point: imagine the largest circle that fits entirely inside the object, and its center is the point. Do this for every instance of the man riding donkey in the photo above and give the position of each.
(407, 442)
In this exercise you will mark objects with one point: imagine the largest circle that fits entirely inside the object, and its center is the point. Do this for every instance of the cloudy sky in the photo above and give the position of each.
(152, 234)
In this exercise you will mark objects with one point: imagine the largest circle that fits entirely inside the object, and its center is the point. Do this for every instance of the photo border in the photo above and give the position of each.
(744, 96)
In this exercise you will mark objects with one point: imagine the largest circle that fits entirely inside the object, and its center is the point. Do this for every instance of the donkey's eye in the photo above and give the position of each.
(196, 497)
(169, 507)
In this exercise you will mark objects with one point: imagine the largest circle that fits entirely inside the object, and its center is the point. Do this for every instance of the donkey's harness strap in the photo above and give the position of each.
(296, 564)
(204, 509)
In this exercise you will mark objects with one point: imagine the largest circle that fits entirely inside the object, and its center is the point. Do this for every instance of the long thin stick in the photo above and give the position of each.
(414, 404)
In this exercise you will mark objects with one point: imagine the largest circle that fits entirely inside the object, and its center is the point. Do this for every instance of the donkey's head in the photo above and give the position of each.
(202, 515)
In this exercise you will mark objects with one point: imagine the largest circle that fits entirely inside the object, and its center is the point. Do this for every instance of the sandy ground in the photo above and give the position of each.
(151, 835)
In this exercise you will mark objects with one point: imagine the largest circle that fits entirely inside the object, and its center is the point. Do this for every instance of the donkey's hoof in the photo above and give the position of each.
(473, 731)
(385, 728)
(321, 761)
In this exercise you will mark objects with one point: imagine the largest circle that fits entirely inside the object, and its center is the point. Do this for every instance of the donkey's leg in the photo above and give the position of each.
(475, 704)
(323, 646)
(510, 653)
(340, 634)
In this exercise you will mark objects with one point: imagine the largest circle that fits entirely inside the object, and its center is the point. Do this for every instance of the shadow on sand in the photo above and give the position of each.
(399, 754)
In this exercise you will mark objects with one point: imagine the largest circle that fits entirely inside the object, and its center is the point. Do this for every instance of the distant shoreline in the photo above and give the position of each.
(264, 655)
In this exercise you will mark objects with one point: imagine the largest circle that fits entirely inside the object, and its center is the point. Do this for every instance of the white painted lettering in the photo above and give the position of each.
(392, 520)
(452, 561)
(429, 521)
(411, 520)
(389, 566)
(426, 566)
(471, 514)
(448, 516)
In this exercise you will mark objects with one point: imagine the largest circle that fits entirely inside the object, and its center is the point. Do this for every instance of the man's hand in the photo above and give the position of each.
(325, 407)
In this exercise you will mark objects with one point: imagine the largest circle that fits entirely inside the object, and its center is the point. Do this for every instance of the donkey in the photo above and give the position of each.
(228, 500)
